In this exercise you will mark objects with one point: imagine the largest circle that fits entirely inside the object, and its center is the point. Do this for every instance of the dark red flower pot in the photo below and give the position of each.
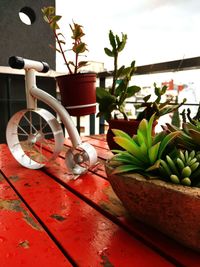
(78, 93)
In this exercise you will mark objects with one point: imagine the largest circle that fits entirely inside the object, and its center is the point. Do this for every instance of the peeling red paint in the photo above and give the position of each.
(58, 217)
(24, 244)
(15, 205)
(14, 178)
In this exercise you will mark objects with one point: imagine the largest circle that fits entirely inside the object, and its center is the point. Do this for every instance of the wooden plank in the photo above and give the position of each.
(23, 241)
(96, 140)
(90, 238)
(100, 193)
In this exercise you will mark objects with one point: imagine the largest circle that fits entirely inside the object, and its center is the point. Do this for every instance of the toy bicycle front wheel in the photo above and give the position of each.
(29, 136)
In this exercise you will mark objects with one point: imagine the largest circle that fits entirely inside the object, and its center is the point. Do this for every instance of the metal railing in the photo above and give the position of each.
(9, 93)
(163, 67)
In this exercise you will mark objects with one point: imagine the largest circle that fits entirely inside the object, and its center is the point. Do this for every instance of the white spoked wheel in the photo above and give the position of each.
(80, 159)
(29, 136)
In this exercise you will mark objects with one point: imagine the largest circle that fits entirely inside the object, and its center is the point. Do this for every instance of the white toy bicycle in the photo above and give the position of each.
(29, 131)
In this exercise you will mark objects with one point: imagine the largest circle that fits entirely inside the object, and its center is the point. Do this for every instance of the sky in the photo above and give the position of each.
(158, 30)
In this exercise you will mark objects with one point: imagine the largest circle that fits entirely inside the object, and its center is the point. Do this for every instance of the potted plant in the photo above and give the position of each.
(112, 101)
(78, 90)
(157, 178)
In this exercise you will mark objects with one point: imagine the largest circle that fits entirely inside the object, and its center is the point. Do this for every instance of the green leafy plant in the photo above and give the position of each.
(189, 139)
(171, 155)
(114, 98)
(143, 151)
(78, 46)
(157, 107)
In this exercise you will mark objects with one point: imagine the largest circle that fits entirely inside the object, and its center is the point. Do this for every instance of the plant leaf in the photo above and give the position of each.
(121, 133)
(153, 152)
(149, 130)
(126, 168)
(108, 52)
(155, 166)
(132, 90)
(128, 145)
(127, 158)
(167, 139)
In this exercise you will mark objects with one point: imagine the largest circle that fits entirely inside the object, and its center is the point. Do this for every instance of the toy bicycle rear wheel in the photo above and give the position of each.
(29, 136)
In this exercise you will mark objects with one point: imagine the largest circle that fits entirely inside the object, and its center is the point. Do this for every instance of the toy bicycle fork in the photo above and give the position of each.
(79, 158)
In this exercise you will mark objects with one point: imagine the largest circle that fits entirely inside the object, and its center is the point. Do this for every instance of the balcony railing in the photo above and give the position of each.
(12, 94)
(163, 67)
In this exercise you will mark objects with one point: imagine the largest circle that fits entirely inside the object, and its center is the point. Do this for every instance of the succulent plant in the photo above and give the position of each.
(114, 98)
(78, 46)
(183, 169)
(189, 138)
(187, 116)
(143, 151)
(157, 107)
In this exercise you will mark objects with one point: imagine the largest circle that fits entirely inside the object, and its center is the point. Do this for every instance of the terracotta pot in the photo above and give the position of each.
(128, 126)
(171, 209)
(78, 93)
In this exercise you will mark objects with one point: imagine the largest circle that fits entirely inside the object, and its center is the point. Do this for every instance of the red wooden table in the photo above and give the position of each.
(48, 219)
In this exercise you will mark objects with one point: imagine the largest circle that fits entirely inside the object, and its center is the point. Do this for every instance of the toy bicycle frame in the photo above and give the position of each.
(33, 93)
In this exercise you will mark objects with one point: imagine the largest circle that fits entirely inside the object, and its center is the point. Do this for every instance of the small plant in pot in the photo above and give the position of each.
(190, 134)
(78, 90)
(112, 101)
(157, 179)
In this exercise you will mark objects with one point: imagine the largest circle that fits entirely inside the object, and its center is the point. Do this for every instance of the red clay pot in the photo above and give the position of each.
(78, 93)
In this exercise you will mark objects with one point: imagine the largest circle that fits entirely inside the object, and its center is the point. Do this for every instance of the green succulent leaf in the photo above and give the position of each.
(149, 130)
(143, 128)
(126, 168)
(120, 71)
(146, 98)
(158, 137)
(121, 133)
(153, 152)
(112, 39)
(101, 93)
(108, 52)
(127, 158)
(122, 43)
(129, 145)
(141, 137)
(132, 90)
(167, 139)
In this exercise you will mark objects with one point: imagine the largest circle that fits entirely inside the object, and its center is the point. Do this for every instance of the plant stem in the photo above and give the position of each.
(62, 52)
(76, 63)
(114, 73)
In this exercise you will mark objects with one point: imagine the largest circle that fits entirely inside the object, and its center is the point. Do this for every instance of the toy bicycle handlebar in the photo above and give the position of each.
(23, 63)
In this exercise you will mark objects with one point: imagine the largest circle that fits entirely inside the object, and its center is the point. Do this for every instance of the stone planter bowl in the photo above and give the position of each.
(171, 209)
